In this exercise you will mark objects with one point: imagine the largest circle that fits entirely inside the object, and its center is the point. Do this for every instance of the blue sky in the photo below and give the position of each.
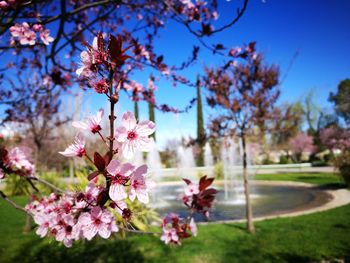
(317, 29)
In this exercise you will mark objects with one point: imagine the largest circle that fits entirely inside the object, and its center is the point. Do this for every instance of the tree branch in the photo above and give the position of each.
(14, 204)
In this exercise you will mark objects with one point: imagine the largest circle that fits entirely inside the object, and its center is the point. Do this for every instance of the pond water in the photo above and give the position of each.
(266, 200)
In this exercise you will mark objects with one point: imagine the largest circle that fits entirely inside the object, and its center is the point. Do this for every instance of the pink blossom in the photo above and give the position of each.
(138, 185)
(17, 160)
(92, 123)
(301, 143)
(77, 148)
(45, 36)
(134, 136)
(97, 221)
(119, 176)
(37, 27)
(28, 38)
(170, 236)
(191, 189)
(65, 232)
(88, 59)
(2, 175)
(3, 5)
(89, 197)
(16, 30)
(43, 221)
(101, 86)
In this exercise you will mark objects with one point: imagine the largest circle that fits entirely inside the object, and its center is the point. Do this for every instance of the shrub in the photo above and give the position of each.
(218, 170)
(342, 163)
(284, 159)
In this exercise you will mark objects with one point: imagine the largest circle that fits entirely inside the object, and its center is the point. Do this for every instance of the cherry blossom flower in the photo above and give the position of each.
(77, 148)
(4, 5)
(170, 236)
(45, 36)
(97, 221)
(101, 86)
(119, 175)
(92, 123)
(191, 189)
(138, 185)
(134, 136)
(44, 223)
(65, 232)
(17, 160)
(88, 59)
(37, 27)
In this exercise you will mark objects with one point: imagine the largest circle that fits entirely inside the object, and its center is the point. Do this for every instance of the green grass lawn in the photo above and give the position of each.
(325, 179)
(314, 237)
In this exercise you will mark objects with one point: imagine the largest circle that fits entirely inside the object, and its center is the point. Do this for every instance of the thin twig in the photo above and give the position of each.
(8, 200)
(53, 187)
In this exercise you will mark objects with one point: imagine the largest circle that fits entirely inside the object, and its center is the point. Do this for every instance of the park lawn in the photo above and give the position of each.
(324, 235)
(323, 179)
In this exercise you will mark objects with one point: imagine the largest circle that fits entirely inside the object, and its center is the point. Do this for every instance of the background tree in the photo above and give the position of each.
(301, 143)
(341, 100)
(316, 119)
(24, 29)
(245, 92)
(34, 103)
(287, 123)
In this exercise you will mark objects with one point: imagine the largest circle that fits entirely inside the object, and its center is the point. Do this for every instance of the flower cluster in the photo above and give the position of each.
(27, 35)
(5, 5)
(198, 197)
(174, 231)
(100, 56)
(130, 135)
(71, 216)
(15, 161)
(244, 52)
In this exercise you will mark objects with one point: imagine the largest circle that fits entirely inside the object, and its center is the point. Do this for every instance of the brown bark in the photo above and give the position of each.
(248, 205)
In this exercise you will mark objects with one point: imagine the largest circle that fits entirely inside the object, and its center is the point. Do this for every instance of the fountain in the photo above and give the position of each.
(186, 163)
(208, 156)
(233, 176)
(154, 163)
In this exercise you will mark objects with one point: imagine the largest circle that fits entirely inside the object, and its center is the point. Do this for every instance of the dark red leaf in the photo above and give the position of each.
(106, 158)
(101, 196)
(204, 182)
(99, 161)
(93, 175)
(186, 181)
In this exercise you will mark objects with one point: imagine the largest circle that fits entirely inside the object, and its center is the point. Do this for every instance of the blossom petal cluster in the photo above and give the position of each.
(92, 123)
(27, 35)
(122, 175)
(134, 136)
(199, 197)
(175, 229)
(70, 217)
(77, 148)
(16, 161)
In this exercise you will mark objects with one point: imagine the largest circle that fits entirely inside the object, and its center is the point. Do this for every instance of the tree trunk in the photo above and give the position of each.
(248, 205)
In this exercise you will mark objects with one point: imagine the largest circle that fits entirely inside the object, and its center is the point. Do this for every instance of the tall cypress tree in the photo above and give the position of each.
(136, 109)
(152, 116)
(200, 125)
